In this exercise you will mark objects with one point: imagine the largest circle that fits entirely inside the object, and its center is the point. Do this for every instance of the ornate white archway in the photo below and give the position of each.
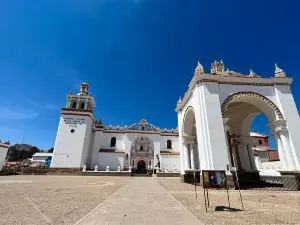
(189, 140)
(240, 109)
(224, 99)
(263, 103)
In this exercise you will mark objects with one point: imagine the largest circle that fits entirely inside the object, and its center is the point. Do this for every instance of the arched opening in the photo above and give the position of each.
(248, 116)
(73, 105)
(141, 167)
(169, 144)
(82, 105)
(113, 141)
(190, 145)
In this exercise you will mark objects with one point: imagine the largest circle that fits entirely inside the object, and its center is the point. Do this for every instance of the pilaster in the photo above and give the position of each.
(244, 153)
(280, 131)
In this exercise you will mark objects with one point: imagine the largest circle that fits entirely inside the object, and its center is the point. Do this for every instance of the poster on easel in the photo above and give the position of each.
(214, 179)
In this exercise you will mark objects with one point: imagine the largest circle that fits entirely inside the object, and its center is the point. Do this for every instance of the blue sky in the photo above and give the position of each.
(137, 55)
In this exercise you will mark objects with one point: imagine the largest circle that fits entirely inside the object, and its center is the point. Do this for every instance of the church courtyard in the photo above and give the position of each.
(134, 200)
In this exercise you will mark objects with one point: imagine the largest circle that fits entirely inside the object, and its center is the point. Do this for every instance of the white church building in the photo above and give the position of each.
(83, 141)
(214, 120)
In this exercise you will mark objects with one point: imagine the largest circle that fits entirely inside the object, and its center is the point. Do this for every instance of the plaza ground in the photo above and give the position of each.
(134, 200)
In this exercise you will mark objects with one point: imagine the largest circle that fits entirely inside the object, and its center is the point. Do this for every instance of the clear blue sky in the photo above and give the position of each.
(137, 55)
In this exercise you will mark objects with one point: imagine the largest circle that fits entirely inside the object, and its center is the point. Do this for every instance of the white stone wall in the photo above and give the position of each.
(113, 160)
(173, 139)
(124, 143)
(71, 149)
(289, 110)
(3, 152)
(170, 161)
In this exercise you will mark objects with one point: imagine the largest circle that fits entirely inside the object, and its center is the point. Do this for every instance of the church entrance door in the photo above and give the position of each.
(141, 167)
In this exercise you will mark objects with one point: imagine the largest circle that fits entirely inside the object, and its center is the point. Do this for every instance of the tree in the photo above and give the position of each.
(33, 150)
(51, 150)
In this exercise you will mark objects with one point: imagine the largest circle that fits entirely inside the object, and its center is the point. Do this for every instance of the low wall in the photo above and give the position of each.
(64, 171)
(106, 173)
(168, 174)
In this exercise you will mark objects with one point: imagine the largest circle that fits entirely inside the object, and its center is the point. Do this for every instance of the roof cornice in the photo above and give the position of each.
(238, 80)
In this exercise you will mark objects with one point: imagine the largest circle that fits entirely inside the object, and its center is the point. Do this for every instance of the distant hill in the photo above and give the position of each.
(19, 152)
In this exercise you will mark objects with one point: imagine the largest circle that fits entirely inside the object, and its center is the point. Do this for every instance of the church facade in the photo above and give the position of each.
(83, 141)
(213, 133)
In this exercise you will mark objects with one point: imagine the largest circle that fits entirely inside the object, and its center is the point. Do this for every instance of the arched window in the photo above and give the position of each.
(141, 148)
(73, 106)
(169, 144)
(113, 142)
(82, 105)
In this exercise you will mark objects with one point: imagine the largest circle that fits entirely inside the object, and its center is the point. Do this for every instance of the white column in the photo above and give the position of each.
(282, 157)
(86, 104)
(226, 128)
(196, 156)
(192, 153)
(78, 103)
(189, 157)
(185, 156)
(182, 162)
(243, 153)
(280, 131)
(288, 152)
(250, 153)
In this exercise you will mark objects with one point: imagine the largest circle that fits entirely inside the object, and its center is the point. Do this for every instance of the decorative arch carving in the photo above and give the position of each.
(254, 95)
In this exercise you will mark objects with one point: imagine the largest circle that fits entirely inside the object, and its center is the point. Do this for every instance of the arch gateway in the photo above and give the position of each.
(215, 117)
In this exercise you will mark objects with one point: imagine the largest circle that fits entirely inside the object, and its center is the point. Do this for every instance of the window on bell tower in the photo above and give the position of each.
(82, 105)
(169, 144)
(73, 105)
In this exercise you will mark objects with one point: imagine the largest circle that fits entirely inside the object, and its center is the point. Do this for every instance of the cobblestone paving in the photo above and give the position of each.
(39, 200)
(32, 200)
(261, 207)
(142, 202)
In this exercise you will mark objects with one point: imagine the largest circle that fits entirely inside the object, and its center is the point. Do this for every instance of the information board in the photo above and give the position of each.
(214, 179)
(73, 122)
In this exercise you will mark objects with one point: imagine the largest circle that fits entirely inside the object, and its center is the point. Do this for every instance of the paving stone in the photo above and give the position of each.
(141, 202)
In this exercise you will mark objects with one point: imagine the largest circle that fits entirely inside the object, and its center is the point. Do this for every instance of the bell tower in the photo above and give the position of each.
(72, 144)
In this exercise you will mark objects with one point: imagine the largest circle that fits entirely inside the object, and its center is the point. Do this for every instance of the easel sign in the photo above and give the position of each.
(213, 179)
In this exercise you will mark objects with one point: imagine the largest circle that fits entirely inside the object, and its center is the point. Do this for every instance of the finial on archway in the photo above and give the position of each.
(217, 67)
(252, 74)
(279, 72)
(199, 69)
(179, 100)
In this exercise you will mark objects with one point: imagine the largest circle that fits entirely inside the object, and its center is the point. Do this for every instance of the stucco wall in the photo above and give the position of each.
(70, 147)
(124, 143)
(170, 161)
(3, 152)
(113, 160)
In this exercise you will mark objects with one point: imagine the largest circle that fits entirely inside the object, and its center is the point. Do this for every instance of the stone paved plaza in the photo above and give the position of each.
(134, 200)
